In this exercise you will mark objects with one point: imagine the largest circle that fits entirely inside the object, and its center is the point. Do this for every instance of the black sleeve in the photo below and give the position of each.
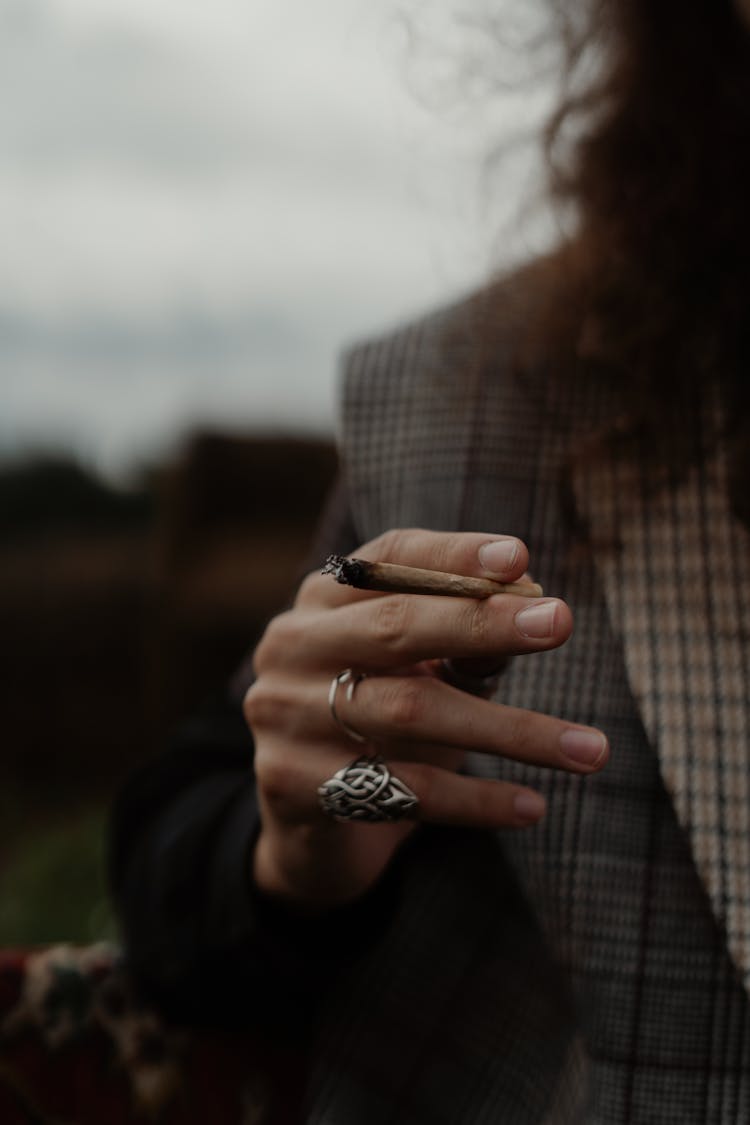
(201, 940)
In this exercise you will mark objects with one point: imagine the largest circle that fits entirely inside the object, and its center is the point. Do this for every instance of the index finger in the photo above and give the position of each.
(473, 553)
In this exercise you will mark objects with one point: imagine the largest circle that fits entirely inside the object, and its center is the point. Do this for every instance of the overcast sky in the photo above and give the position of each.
(204, 201)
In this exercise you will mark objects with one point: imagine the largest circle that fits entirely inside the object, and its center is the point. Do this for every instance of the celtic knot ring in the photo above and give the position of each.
(366, 790)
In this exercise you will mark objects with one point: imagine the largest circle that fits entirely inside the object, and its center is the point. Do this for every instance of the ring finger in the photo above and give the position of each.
(442, 797)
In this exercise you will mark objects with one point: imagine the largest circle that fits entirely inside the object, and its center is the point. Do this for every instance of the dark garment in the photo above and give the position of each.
(198, 934)
(202, 941)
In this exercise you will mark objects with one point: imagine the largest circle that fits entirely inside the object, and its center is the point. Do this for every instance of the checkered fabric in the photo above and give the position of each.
(678, 588)
(437, 434)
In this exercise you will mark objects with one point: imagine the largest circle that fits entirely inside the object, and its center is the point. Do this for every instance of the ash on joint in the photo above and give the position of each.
(349, 572)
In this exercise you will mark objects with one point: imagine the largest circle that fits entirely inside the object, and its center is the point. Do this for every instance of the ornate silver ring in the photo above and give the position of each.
(366, 790)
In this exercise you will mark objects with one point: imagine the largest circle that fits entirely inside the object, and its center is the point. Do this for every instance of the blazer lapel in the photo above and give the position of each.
(675, 569)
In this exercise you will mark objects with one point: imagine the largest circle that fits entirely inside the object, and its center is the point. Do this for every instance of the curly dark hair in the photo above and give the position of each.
(653, 150)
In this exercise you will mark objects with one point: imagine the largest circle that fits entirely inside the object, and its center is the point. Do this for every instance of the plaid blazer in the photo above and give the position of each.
(609, 989)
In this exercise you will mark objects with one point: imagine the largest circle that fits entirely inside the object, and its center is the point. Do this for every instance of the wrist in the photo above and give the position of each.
(313, 869)
(300, 872)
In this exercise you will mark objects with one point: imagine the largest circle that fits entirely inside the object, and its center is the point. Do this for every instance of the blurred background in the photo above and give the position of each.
(202, 205)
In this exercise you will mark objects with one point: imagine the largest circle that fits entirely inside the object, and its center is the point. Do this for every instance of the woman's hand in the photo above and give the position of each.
(419, 724)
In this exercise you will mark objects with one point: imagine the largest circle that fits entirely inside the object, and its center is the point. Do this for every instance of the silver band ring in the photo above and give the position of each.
(366, 790)
(351, 679)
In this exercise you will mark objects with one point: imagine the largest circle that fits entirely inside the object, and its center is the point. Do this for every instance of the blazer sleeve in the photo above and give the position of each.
(201, 941)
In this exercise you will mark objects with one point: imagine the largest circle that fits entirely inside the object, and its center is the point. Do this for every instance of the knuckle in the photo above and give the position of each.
(264, 707)
(519, 734)
(487, 804)
(279, 639)
(260, 656)
(390, 544)
(275, 775)
(384, 546)
(404, 703)
(390, 622)
(249, 704)
(478, 623)
(308, 588)
(444, 550)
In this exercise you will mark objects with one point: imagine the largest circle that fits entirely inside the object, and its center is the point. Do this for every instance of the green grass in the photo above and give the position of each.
(52, 876)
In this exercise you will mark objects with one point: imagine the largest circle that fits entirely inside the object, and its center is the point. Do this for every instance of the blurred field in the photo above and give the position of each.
(53, 874)
(120, 612)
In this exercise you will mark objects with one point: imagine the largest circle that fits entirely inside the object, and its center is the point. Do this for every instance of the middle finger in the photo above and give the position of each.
(399, 629)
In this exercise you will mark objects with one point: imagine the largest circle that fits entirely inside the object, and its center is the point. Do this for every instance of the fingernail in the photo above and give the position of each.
(585, 747)
(499, 556)
(538, 620)
(529, 806)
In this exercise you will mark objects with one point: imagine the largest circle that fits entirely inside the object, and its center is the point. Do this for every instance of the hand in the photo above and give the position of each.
(418, 723)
